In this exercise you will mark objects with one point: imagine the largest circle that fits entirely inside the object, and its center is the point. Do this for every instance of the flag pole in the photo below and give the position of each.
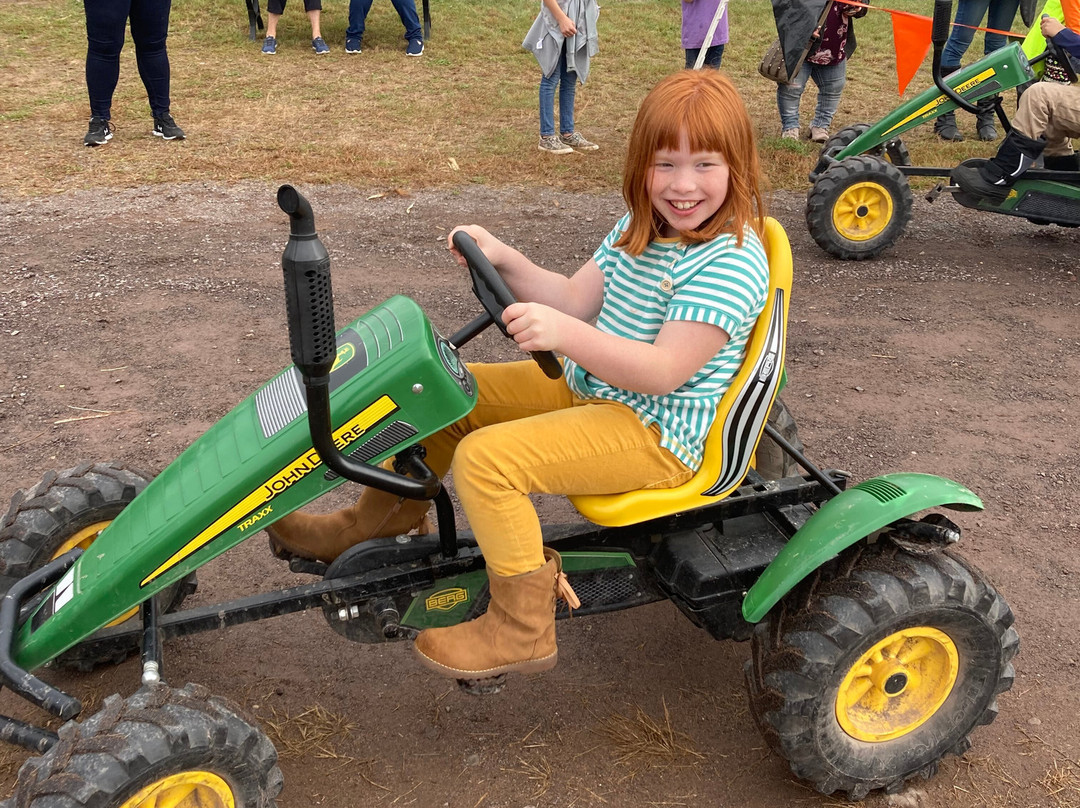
(720, 9)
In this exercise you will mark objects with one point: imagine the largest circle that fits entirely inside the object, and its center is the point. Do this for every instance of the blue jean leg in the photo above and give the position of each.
(830, 80)
(713, 56)
(566, 81)
(999, 14)
(406, 10)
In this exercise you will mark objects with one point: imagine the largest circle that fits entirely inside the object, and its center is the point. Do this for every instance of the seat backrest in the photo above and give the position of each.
(740, 416)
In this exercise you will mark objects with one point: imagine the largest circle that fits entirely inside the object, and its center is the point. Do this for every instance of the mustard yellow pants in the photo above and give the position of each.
(529, 434)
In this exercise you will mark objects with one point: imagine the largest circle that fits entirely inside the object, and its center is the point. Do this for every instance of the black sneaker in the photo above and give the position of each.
(100, 132)
(165, 127)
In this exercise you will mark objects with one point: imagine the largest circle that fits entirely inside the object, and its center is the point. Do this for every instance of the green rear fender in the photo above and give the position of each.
(845, 519)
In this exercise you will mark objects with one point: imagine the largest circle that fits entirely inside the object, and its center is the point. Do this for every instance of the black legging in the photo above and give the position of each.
(105, 24)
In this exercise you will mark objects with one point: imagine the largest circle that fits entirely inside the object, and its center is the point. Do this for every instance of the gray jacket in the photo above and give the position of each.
(545, 40)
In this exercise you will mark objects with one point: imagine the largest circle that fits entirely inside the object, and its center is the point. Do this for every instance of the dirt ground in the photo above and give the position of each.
(131, 320)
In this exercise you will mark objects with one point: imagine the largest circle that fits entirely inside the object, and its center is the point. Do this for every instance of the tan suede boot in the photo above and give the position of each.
(324, 537)
(516, 633)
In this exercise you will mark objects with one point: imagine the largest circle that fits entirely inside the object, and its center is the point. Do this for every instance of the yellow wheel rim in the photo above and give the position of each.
(83, 539)
(862, 211)
(193, 789)
(898, 684)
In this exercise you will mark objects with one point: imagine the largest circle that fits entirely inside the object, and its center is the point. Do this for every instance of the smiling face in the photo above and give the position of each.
(686, 187)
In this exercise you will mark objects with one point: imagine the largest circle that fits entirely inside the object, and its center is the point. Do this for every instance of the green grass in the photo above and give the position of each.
(380, 120)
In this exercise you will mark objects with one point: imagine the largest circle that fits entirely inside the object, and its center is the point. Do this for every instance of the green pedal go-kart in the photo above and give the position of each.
(860, 202)
(876, 649)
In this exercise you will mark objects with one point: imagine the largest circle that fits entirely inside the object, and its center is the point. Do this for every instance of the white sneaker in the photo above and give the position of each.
(790, 134)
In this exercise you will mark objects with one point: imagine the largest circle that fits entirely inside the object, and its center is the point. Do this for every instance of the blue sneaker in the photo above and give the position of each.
(416, 47)
(269, 45)
(318, 44)
(352, 44)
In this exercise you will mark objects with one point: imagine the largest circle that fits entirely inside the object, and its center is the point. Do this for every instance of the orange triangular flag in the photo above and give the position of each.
(911, 39)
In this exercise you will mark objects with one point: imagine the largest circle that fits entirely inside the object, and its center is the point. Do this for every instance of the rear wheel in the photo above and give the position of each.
(160, 747)
(858, 207)
(770, 461)
(69, 509)
(866, 678)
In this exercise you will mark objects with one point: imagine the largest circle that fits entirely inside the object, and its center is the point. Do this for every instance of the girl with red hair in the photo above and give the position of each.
(652, 330)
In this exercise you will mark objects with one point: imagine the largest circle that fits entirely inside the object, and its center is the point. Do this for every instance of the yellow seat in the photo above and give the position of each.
(740, 417)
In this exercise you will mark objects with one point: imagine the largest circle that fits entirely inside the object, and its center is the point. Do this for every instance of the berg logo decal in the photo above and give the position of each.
(345, 354)
(767, 367)
(446, 599)
(297, 470)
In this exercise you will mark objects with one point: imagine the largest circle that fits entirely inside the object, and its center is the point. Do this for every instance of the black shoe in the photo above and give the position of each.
(945, 127)
(985, 118)
(165, 127)
(973, 181)
(99, 133)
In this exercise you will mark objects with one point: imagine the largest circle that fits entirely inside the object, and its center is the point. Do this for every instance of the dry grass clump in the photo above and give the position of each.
(644, 742)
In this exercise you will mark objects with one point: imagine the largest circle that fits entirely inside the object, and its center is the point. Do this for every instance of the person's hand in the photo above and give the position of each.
(488, 244)
(1049, 26)
(534, 326)
(566, 26)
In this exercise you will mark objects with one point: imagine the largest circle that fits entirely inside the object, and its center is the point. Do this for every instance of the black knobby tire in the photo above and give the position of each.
(820, 633)
(157, 733)
(858, 207)
(41, 520)
(844, 138)
(770, 461)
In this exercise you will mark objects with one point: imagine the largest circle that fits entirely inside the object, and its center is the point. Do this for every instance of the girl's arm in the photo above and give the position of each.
(579, 296)
(566, 25)
(680, 350)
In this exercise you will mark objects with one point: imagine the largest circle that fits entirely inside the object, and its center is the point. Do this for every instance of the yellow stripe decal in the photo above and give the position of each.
(280, 482)
(941, 99)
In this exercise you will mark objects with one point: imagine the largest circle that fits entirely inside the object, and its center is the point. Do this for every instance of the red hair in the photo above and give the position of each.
(706, 106)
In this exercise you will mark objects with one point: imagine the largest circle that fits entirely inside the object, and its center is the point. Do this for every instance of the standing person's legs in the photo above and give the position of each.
(105, 24)
(830, 81)
(406, 10)
(1000, 16)
(149, 31)
(788, 97)
(567, 94)
(354, 34)
(969, 13)
(712, 57)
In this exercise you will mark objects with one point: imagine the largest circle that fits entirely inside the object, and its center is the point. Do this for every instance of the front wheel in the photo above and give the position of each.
(868, 678)
(160, 747)
(68, 510)
(858, 207)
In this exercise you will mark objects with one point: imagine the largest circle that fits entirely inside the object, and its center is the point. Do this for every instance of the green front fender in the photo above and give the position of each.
(845, 519)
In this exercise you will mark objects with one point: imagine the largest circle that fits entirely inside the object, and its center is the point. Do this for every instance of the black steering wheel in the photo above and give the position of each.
(494, 295)
(1061, 56)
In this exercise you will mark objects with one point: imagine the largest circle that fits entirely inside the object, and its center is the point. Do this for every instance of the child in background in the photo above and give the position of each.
(675, 289)
(274, 10)
(562, 45)
(697, 17)
(827, 66)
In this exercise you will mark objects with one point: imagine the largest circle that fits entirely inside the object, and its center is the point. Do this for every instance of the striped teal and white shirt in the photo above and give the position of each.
(715, 282)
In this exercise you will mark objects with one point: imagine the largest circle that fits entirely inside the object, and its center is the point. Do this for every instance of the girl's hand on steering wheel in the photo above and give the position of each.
(534, 326)
(487, 243)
